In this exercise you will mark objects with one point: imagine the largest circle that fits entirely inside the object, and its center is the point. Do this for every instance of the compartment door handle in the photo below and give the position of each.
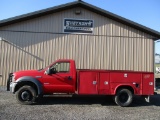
(94, 82)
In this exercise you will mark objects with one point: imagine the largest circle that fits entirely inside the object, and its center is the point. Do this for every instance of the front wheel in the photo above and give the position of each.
(123, 97)
(26, 95)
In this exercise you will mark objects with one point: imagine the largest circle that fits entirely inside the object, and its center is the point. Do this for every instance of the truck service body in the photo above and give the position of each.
(63, 77)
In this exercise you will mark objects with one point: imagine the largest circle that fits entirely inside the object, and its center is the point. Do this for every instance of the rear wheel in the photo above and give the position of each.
(123, 97)
(26, 95)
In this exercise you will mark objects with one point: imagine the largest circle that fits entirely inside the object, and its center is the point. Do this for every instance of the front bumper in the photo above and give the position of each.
(12, 87)
(10, 84)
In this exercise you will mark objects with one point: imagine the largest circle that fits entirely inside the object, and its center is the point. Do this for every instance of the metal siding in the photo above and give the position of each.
(106, 48)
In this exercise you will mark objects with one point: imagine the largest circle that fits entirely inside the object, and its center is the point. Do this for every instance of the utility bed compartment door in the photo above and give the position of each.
(148, 84)
(87, 83)
(104, 83)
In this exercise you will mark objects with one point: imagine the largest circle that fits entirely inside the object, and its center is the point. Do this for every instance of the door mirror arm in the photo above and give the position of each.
(50, 71)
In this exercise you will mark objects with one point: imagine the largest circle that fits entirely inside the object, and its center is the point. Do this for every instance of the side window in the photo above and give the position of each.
(62, 67)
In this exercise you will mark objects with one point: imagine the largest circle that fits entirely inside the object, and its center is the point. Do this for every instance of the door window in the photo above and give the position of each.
(62, 67)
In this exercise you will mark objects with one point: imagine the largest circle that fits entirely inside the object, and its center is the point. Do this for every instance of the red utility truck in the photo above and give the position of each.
(63, 77)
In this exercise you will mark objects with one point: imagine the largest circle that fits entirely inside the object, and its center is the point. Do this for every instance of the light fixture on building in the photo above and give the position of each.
(77, 12)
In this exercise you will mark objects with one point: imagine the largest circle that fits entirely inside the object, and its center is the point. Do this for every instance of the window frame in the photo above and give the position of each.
(53, 66)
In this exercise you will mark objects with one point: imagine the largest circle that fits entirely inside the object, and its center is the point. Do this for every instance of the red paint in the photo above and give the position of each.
(147, 81)
(104, 83)
(91, 82)
(88, 82)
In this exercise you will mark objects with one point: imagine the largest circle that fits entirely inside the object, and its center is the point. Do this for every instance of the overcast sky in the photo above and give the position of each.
(145, 12)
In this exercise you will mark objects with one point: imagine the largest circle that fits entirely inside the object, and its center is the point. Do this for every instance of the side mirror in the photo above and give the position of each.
(48, 71)
(54, 71)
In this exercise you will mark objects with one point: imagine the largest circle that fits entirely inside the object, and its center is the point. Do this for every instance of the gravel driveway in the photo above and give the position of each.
(77, 108)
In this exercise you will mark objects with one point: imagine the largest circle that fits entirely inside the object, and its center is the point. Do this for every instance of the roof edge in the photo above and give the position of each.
(123, 20)
(37, 13)
(85, 5)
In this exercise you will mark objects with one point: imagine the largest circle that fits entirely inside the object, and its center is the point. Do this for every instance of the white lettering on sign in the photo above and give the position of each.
(74, 23)
(78, 26)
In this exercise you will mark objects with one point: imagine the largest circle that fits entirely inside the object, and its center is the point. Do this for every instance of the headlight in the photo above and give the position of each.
(13, 78)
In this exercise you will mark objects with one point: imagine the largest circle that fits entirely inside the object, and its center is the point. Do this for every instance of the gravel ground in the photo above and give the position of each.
(77, 108)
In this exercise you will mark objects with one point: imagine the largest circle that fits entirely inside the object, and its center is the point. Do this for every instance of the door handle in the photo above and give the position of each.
(94, 82)
(69, 78)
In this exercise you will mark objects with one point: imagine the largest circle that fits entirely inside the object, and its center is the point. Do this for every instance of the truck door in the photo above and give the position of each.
(61, 81)
(88, 82)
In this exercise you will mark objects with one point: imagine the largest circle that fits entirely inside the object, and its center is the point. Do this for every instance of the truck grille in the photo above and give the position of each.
(9, 81)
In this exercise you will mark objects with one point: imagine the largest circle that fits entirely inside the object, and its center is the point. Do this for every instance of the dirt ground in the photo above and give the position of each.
(77, 108)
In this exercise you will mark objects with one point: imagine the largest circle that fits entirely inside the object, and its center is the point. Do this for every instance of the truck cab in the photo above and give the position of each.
(60, 77)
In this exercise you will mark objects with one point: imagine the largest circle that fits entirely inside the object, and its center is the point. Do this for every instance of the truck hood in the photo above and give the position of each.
(31, 73)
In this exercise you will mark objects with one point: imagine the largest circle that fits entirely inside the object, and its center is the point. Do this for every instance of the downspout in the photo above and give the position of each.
(154, 65)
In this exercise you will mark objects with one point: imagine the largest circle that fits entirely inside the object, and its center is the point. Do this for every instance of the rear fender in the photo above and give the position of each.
(123, 86)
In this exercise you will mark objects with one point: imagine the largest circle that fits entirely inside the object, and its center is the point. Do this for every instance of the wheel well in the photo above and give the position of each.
(26, 83)
(125, 87)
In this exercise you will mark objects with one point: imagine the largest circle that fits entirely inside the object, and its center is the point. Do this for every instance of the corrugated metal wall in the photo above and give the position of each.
(34, 44)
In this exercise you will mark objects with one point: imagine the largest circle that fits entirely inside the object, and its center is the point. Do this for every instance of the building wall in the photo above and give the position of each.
(35, 43)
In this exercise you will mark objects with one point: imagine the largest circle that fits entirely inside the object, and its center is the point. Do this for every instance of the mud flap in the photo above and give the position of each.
(147, 98)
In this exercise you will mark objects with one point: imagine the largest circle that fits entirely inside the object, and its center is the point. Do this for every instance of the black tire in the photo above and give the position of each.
(123, 97)
(26, 95)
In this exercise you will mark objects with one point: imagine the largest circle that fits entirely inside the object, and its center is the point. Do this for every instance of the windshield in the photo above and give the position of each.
(40, 69)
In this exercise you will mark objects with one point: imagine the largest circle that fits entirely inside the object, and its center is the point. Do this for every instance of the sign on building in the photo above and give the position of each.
(78, 26)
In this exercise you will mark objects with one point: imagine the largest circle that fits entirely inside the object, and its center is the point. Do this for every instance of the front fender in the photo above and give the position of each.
(29, 79)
